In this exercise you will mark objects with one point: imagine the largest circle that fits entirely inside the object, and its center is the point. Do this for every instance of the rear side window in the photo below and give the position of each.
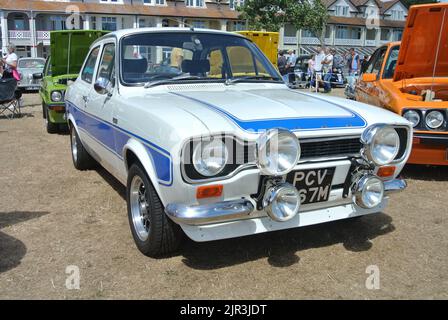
(89, 67)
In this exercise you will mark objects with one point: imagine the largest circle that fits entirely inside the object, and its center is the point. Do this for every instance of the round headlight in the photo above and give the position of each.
(278, 152)
(381, 144)
(282, 202)
(412, 116)
(56, 96)
(369, 192)
(434, 119)
(210, 157)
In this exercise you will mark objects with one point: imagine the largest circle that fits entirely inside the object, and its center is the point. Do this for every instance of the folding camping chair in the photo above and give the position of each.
(9, 98)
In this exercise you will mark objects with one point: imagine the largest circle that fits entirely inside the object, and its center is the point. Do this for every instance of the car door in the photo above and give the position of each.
(368, 92)
(79, 96)
(100, 104)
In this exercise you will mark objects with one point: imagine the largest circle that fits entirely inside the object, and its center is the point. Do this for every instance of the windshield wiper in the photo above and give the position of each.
(257, 77)
(172, 80)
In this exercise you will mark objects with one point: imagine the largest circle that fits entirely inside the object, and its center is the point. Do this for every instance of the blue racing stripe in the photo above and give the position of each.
(114, 138)
(293, 124)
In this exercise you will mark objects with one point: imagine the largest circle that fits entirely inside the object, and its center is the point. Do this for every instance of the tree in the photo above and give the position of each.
(271, 15)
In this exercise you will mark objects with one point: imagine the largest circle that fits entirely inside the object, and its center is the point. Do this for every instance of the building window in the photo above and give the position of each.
(342, 11)
(233, 4)
(385, 34)
(308, 34)
(57, 23)
(238, 26)
(198, 24)
(93, 23)
(397, 15)
(194, 3)
(160, 2)
(112, 1)
(109, 23)
(147, 1)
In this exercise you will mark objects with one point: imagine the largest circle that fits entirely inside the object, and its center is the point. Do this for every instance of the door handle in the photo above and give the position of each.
(115, 120)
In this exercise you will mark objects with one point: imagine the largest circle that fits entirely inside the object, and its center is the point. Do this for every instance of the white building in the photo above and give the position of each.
(27, 23)
(362, 24)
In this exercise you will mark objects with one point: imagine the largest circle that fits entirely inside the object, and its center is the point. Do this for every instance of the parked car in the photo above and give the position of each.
(27, 67)
(300, 78)
(413, 81)
(222, 148)
(68, 49)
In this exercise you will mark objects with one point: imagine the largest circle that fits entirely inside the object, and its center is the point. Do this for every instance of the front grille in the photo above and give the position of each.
(330, 148)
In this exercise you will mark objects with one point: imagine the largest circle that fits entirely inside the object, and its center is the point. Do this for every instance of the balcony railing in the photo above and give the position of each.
(289, 40)
(348, 42)
(370, 43)
(315, 40)
(43, 35)
(20, 34)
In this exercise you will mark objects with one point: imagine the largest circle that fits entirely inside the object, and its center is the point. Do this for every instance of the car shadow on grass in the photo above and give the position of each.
(12, 250)
(425, 173)
(281, 248)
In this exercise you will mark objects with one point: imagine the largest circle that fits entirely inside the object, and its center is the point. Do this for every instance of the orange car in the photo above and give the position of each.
(413, 81)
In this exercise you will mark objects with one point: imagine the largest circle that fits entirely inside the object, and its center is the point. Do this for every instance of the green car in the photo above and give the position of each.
(68, 49)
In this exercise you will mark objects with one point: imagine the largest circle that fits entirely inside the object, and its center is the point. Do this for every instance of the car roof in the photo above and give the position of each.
(124, 32)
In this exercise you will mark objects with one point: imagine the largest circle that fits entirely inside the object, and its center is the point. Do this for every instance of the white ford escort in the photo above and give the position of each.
(211, 143)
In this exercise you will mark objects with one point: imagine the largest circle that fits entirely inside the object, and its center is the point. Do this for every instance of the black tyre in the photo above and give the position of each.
(81, 158)
(154, 233)
(44, 111)
(51, 127)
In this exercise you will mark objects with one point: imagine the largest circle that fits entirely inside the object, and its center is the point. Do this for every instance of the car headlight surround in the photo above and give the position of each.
(413, 117)
(210, 157)
(56, 96)
(381, 144)
(434, 119)
(278, 152)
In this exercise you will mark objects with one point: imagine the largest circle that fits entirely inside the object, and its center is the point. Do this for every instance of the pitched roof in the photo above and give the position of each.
(362, 22)
(172, 9)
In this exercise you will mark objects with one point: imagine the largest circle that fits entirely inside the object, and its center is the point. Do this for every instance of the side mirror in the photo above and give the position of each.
(102, 86)
(38, 75)
(368, 77)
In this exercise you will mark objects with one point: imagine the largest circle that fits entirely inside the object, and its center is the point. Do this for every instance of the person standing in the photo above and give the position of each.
(281, 63)
(10, 64)
(353, 62)
(328, 69)
(320, 56)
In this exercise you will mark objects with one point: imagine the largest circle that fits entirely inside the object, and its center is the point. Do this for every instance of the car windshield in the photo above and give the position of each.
(153, 58)
(31, 63)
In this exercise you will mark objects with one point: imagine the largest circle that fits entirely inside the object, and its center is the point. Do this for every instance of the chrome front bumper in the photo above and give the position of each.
(236, 209)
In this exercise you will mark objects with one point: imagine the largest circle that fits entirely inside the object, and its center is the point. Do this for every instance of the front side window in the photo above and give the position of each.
(47, 68)
(391, 63)
(106, 67)
(377, 61)
(89, 67)
(192, 56)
